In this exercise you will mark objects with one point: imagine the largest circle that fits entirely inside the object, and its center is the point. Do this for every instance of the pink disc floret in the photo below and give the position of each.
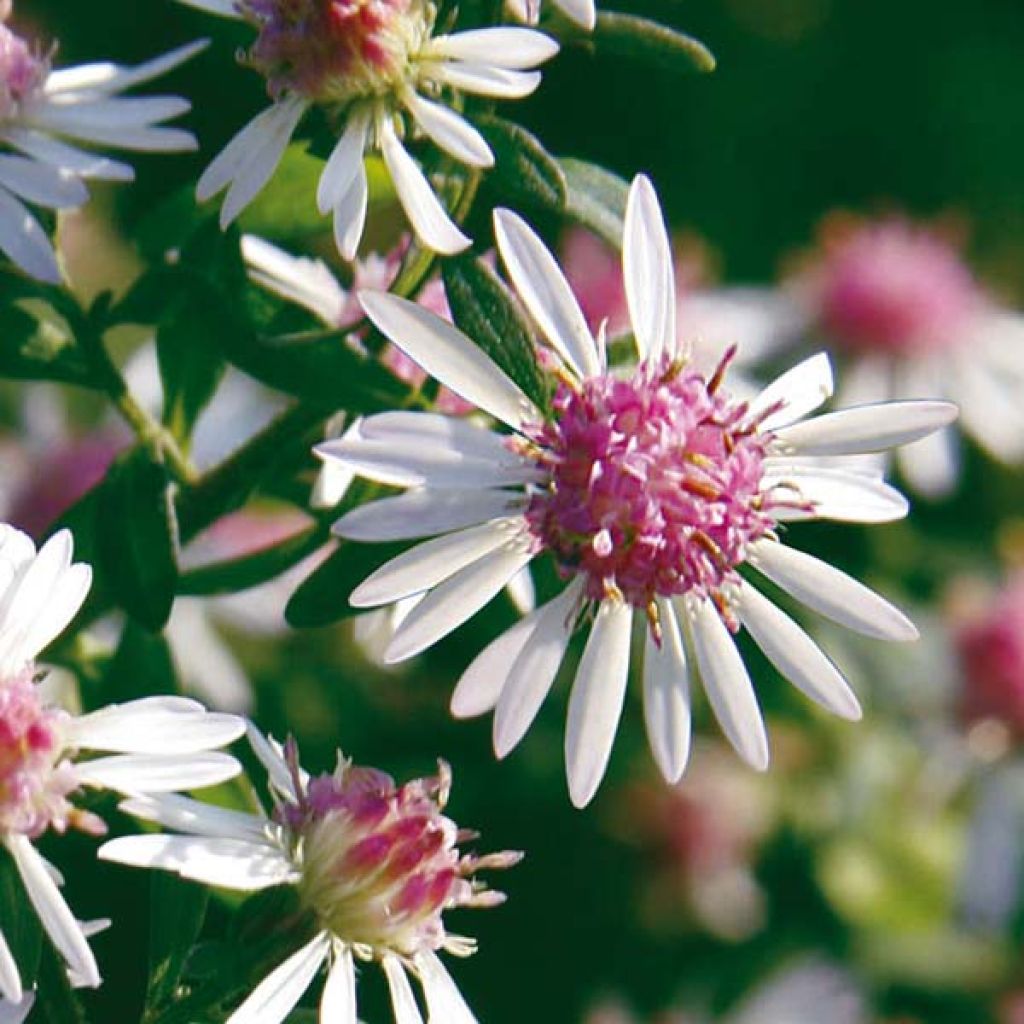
(22, 72)
(654, 483)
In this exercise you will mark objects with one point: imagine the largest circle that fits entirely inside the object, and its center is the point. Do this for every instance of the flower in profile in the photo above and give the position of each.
(650, 487)
(45, 115)
(156, 744)
(580, 12)
(378, 71)
(375, 864)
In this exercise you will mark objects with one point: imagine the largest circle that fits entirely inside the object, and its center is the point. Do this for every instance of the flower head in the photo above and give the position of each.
(652, 487)
(45, 114)
(379, 72)
(375, 864)
(156, 744)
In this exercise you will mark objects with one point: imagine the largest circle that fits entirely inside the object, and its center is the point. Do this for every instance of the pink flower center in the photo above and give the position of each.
(22, 73)
(380, 862)
(336, 50)
(654, 486)
(895, 288)
(34, 781)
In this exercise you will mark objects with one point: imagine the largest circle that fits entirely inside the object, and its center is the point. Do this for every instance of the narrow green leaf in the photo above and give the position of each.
(56, 1002)
(626, 35)
(142, 666)
(485, 310)
(177, 912)
(597, 199)
(139, 538)
(39, 347)
(524, 171)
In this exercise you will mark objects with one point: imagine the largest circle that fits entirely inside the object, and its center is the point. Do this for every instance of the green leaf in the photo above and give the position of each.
(597, 199)
(142, 666)
(39, 347)
(484, 309)
(56, 1002)
(323, 597)
(138, 538)
(285, 207)
(656, 45)
(191, 366)
(177, 913)
(524, 171)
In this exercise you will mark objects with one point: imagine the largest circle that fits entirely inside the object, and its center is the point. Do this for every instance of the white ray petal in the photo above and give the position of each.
(795, 654)
(18, 1011)
(931, 466)
(432, 562)
(111, 78)
(533, 671)
(449, 356)
(867, 428)
(146, 726)
(142, 773)
(647, 272)
(106, 114)
(425, 513)
(24, 242)
(403, 1002)
(727, 684)
(595, 703)
(867, 381)
(449, 130)
(990, 400)
(57, 920)
(306, 282)
(183, 814)
(545, 292)
(65, 157)
(338, 1003)
(427, 215)
(583, 12)
(269, 755)
(226, 863)
(42, 183)
(460, 597)
(516, 49)
(345, 161)
(350, 215)
(522, 592)
(403, 428)
(10, 979)
(278, 993)
(830, 592)
(485, 81)
(667, 696)
(445, 1004)
(223, 8)
(800, 390)
(834, 494)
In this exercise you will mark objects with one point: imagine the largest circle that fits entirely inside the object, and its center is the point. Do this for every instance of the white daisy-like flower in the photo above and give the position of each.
(45, 115)
(379, 72)
(650, 486)
(580, 12)
(375, 864)
(157, 744)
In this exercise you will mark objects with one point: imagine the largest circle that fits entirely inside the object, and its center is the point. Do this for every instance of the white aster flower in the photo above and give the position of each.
(379, 72)
(376, 865)
(651, 488)
(581, 12)
(157, 744)
(41, 109)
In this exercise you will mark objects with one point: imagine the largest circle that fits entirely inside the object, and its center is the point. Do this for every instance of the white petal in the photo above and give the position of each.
(595, 703)
(445, 1004)
(449, 130)
(141, 773)
(583, 12)
(867, 428)
(830, 592)
(225, 863)
(404, 428)
(57, 920)
(800, 390)
(867, 381)
(110, 78)
(647, 272)
(350, 215)
(344, 163)
(448, 606)
(338, 1004)
(10, 979)
(486, 81)
(306, 282)
(41, 183)
(403, 1002)
(276, 996)
(667, 696)
(24, 241)
(545, 292)
(522, 592)
(516, 49)
(425, 513)
(728, 685)
(269, 755)
(428, 217)
(147, 727)
(991, 407)
(834, 494)
(65, 157)
(223, 8)
(795, 654)
(430, 563)
(447, 354)
(17, 1012)
(533, 671)
(197, 818)
(931, 466)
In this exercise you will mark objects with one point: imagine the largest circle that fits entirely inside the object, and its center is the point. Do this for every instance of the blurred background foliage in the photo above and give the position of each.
(856, 849)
